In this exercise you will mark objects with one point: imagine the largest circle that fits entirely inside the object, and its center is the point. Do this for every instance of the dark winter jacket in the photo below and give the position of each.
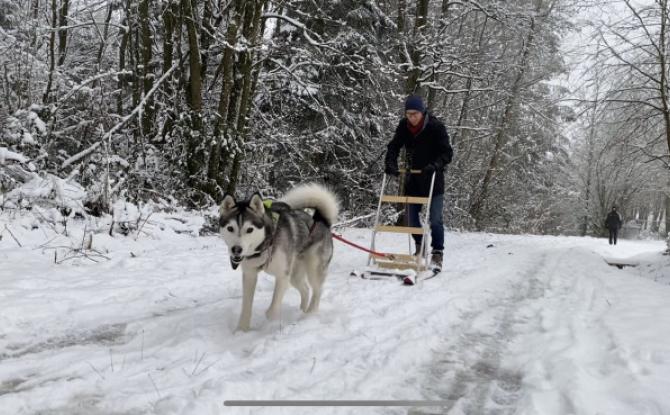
(430, 146)
(613, 220)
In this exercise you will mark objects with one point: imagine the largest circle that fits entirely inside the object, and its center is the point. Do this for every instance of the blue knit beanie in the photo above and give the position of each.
(414, 102)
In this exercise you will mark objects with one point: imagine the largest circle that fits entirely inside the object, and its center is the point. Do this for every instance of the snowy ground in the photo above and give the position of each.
(531, 325)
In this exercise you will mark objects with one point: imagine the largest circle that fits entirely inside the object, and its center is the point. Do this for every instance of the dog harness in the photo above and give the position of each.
(268, 209)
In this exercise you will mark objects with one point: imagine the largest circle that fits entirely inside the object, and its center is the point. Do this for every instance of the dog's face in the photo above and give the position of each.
(243, 226)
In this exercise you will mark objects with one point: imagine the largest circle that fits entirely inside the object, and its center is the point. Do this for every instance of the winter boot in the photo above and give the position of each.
(436, 259)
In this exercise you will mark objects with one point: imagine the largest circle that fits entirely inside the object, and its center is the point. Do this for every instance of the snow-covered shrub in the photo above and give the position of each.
(23, 131)
(48, 191)
(30, 123)
(128, 217)
(7, 155)
(14, 170)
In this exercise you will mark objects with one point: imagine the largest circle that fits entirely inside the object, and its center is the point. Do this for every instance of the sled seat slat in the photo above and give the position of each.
(411, 171)
(405, 199)
(399, 265)
(400, 229)
(403, 257)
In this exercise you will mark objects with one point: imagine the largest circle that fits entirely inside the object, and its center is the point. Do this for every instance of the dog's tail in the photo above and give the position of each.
(315, 196)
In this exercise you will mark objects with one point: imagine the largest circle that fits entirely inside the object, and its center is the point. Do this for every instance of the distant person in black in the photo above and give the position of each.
(613, 223)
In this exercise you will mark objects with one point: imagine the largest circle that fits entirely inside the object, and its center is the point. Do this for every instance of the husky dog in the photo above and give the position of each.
(282, 240)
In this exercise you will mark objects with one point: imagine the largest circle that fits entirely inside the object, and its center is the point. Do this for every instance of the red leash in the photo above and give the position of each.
(362, 248)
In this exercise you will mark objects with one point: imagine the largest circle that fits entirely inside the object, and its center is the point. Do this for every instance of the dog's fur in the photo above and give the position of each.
(286, 242)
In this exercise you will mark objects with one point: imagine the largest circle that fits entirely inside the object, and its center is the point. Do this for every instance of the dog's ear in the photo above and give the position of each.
(227, 205)
(256, 204)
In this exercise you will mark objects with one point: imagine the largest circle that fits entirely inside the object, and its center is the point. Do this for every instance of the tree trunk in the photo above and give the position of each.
(170, 12)
(206, 32)
(147, 72)
(195, 155)
(105, 32)
(463, 114)
(663, 87)
(591, 142)
(134, 62)
(252, 31)
(214, 174)
(123, 48)
(402, 11)
(402, 38)
(168, 40)
(412, 86)
(52, 52)
(35, 8)
(62, 33)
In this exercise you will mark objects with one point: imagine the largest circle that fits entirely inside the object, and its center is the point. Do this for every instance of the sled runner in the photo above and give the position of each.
(620, 263)
(405, 266)
(407, 277)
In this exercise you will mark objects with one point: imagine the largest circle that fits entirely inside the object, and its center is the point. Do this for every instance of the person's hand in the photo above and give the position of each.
(429, 169)
(392, 171)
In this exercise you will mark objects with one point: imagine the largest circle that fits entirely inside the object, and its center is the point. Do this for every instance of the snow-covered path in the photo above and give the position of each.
(531, 325)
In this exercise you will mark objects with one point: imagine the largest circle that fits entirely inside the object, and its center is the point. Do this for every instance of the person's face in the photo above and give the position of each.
(414, 117)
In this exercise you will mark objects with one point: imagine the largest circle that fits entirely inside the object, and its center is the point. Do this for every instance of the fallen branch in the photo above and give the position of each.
(139, 229)
(14, 237)
(85, 251)
(78, 253)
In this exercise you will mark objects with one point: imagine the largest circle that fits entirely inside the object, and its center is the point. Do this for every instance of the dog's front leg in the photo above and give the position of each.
(282, 279)
(249, 278)
(281, 267)
(281, 284)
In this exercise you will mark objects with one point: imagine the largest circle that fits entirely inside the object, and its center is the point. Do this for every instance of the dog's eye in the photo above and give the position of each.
(230, 229)
(249, 230)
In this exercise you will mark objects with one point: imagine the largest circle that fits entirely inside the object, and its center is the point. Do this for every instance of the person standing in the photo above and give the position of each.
(613, 223)
(426, 141)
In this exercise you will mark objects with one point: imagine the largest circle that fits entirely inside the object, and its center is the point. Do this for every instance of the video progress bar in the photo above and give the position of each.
(335, 403)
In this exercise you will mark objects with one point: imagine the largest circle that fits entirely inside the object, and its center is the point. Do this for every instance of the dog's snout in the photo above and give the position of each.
(236, 250)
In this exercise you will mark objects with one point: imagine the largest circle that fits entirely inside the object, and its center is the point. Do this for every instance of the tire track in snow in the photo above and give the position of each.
(567, 340)
(469, 374)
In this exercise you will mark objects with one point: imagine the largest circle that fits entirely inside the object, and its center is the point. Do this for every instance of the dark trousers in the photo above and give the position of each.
(436, 223)
(613, 235)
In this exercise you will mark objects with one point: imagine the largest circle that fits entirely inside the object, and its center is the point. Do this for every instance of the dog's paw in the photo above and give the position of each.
(312, 309)
(272, 314)
(243, 327)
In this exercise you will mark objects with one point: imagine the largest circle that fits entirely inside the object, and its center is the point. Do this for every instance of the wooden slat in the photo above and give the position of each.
(403, 257)
(405, 199)
(411, 171)
(399, 229)
(399, 265)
